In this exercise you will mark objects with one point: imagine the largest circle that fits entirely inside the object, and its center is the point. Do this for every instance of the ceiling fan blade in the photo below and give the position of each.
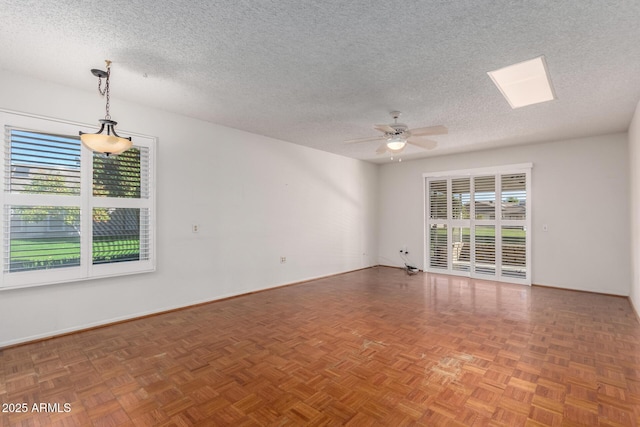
(367, 139)
(382, 148)
(384, 128)
(427, 144)
(431, 130)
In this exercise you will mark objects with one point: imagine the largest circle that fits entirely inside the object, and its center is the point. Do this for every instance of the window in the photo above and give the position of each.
(71, 214)
(477, 223)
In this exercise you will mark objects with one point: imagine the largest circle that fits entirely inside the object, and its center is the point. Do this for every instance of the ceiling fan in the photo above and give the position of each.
(397, 135)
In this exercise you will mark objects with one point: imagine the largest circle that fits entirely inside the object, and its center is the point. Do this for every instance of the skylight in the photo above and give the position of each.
(525, 83)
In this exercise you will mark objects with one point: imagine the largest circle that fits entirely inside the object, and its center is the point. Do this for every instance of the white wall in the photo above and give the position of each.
(579, 188)
(634, 167)
(254, 198)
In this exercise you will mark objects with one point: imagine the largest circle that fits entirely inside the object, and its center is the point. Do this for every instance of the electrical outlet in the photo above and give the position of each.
(283, 259)
(195, 228)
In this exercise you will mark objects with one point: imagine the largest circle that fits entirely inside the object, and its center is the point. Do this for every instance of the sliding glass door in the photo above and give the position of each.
(477, 223)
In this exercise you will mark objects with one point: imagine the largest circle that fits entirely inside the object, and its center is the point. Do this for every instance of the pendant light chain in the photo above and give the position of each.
(106, 90)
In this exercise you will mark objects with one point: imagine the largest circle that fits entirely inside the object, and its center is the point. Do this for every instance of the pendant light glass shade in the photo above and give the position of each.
(107, 143)
(396, 143)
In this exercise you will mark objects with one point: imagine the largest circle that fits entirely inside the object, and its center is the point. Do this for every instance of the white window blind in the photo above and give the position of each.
(70, 214)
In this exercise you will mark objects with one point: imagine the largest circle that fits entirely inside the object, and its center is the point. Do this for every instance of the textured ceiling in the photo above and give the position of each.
(318, 72)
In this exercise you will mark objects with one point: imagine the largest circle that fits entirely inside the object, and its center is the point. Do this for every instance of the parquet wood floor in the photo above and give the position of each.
(372, 347)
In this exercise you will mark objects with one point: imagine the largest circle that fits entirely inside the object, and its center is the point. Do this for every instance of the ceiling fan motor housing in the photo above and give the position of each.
(400, 128)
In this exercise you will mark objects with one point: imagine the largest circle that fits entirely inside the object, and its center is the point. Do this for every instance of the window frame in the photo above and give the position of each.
(86, 201)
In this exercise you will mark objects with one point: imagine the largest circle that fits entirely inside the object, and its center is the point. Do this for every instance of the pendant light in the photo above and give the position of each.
(109, 142)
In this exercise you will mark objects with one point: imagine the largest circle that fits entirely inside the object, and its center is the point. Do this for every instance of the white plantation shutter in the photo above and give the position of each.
(438, 246)
(121, 233)
(477, 223)
(68, 213)
(42, 175)
(124, 237)
(460, 198)
(37, 163)
(461, 248)
(485, 234)
(124, 176)
(485, 197)
(514, 225)
(514, 196)
(514, 251)
(485, 249)
(26, 249)
(438, 213)
(438, 199)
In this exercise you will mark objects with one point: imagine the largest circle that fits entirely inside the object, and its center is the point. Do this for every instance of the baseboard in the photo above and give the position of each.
(579, 290)
(397, 266)
(635, 310)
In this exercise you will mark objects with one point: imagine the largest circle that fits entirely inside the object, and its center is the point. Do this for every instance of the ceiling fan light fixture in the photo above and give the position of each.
(109, 142)
(396, 143)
